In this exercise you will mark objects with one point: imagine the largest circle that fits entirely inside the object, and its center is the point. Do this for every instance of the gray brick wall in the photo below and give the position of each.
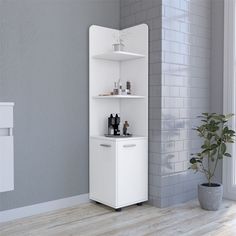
(179, 76)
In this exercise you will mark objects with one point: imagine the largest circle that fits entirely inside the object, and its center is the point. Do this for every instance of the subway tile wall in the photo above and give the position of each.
(179, 78)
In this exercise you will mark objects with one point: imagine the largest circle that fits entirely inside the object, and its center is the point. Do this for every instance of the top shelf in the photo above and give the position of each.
(7, 104)
(119, 56)
(119, 96)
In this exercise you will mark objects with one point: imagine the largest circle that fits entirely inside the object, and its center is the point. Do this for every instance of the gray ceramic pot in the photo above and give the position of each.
(210, 198)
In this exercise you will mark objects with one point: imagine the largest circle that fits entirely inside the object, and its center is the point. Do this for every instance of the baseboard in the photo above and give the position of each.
(21, 212)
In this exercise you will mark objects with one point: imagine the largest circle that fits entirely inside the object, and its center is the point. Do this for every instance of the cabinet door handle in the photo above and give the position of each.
(129, 145)
(105, 145)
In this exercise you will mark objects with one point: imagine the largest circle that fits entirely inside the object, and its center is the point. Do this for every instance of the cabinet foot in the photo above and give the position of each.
(139, 204)
(118, 209)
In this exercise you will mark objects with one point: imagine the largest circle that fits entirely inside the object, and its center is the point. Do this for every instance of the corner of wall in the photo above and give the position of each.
(179, 79)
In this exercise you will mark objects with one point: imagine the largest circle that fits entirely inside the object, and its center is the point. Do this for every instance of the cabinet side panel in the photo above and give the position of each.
(6, 164)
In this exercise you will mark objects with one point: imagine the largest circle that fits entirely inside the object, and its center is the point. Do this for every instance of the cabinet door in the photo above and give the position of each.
(132, 172)
(6, 164)
(102, 171)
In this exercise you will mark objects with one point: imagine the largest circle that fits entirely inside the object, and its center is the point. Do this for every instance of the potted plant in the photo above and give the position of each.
(215, 134)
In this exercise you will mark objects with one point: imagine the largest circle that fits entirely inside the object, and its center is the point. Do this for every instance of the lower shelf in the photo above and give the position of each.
(134, 137)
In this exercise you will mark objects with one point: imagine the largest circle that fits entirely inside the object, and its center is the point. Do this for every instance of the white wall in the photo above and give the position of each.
(44, 70)
(150, 12)
(180, 66)
(186, 57)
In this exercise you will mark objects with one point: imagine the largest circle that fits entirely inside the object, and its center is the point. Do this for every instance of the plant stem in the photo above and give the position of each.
(217, 158)
(205, 172)
(218, 151)
(209, 171)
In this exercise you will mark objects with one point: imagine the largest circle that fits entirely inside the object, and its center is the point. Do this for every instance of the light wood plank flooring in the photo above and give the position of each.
(91, 219)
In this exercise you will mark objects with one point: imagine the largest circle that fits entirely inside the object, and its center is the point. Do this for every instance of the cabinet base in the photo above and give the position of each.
(139, 204)
(118, 209)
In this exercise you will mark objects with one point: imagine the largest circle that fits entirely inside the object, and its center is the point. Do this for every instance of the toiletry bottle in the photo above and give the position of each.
(116, 90)
(116, 126)
(128, 87)
(125, 128)
(111, 120)
(110, 130)
(120, 87)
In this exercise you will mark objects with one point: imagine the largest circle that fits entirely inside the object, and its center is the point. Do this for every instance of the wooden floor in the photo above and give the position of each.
(91, 219)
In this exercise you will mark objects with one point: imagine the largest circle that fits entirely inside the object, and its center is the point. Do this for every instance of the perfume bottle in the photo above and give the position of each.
(125, 128)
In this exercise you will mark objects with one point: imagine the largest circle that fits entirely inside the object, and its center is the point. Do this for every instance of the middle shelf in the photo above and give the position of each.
(119, 96)
(119, 56)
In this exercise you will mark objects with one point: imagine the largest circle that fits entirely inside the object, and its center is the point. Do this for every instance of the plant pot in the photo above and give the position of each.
(210, 198)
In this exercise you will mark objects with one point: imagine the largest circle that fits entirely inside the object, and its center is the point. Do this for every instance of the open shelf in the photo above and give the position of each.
(119, 56)
(107, 66)
(119, 97)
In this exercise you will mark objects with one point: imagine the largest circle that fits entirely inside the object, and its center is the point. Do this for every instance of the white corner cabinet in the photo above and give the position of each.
(118, 166)
(118, 171)
(6, 147)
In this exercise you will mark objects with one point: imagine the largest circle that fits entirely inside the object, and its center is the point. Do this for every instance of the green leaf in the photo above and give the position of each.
(223, 148)
(231, 132)
(228, 116)
(214, 151)
(205, 151)
(209, 136)
(193, 160)
(227, 155)
(207, 143)
(225, 130)
(213, 146)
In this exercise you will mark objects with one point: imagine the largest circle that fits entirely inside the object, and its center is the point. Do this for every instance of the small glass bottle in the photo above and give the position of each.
(115, 90)
(128, 87)
(120, 87)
